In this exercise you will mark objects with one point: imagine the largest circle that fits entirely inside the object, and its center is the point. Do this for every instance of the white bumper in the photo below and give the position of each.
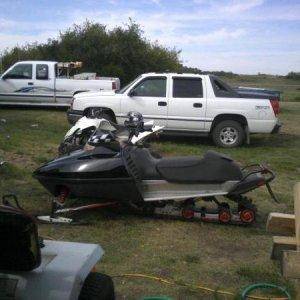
(263, 126)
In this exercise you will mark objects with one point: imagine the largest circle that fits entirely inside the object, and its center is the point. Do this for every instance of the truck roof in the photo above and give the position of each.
(37, 62)
(175, 74)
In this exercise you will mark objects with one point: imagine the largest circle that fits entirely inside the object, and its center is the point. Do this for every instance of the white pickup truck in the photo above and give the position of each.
(186, 104)
(46, 83)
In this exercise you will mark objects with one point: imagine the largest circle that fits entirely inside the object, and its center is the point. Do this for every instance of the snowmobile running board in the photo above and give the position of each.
(53, 218)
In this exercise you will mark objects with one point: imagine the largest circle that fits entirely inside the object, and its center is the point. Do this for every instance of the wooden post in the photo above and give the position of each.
(281, 224)
(291, 259)
(297, 213)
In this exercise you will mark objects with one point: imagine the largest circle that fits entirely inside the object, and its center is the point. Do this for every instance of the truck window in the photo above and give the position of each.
(42, 72)
(220, 86)
(187, 87)
(21, 71)
(151, 87)
(221, 89)
(124, 88)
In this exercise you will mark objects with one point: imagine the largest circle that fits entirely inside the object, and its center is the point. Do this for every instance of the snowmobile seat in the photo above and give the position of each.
(212, 168)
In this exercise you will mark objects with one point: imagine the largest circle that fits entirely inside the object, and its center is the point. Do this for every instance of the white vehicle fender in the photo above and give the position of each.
(238, 115)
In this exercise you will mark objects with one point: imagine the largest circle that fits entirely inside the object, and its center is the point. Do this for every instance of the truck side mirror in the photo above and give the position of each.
(132, 93)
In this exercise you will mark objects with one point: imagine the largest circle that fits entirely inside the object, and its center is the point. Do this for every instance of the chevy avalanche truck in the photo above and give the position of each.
(186, 104)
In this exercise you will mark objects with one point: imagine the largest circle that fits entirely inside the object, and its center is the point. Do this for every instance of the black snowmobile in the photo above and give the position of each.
(122, 170)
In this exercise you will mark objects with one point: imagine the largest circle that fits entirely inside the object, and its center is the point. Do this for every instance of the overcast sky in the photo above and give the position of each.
(243, 36)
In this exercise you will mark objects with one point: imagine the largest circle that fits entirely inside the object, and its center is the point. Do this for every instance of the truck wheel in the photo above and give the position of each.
(228, 134)
(97, 286)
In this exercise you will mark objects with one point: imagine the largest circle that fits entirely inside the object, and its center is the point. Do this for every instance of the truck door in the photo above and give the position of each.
(187, 104)
(44, 84)
(16, 84)
(149, 97)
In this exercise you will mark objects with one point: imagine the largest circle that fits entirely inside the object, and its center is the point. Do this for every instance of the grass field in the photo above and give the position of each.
(222, 257)
(289, 87)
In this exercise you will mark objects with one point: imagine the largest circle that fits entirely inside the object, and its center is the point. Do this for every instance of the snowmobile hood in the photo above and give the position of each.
(79, 161)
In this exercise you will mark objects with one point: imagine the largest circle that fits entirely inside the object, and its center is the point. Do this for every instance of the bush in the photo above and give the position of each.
(123, 52)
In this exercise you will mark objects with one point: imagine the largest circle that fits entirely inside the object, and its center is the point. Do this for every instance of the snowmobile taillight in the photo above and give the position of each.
(64, 193)
(261, 182)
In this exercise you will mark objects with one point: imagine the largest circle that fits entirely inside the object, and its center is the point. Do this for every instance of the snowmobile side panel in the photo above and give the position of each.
(116, 189)
(89, 175)
(156, 190)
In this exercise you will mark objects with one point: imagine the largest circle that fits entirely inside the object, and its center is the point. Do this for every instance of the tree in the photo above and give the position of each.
(293, 75)
(122, 52)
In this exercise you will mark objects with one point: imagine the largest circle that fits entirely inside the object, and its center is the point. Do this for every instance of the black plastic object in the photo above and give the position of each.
(97, 286)
(19, 243)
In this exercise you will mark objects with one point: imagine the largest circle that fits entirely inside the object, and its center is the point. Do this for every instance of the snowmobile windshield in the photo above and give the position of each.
(146, 134)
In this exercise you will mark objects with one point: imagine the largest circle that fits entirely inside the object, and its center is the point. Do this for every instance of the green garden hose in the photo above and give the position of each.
(245, 292)
(257, 286)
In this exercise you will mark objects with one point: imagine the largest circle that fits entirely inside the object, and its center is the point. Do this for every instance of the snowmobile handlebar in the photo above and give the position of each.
(258, 169)
(268, 176)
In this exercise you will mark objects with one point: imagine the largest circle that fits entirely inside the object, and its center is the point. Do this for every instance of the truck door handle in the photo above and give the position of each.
(162, 103)
(30, 83)
(197, 105)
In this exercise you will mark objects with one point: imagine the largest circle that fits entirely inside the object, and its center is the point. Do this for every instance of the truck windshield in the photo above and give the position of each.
(125, 88)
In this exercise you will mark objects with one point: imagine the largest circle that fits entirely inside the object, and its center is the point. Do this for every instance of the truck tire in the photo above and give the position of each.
(228, 134)
(97, 286)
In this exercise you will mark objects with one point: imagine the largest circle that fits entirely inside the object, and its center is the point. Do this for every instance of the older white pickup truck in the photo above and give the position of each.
(186, 104)
(47, 83)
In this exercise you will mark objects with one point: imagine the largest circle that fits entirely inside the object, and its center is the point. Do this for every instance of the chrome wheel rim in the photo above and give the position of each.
(229, 135)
